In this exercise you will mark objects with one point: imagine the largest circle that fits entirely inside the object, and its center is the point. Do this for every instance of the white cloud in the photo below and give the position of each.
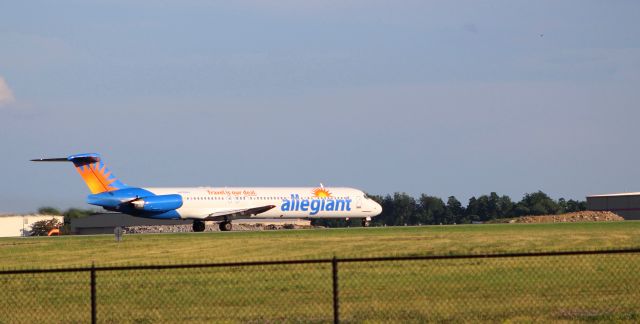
(6, 95)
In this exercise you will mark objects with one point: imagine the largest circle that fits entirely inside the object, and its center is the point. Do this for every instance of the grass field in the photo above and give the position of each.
(531, 289)
(68, 251)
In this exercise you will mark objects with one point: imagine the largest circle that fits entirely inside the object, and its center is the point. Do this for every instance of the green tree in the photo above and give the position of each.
(474, 209)
(521, 210)
(48, 211)
(484, 208)
(403, 211)
(432, 211)
(562, 206)
(575, 206)
(456, 211)
(76, 213)
(505, 206)
(387, 216)
(42, 228)
(537, 203)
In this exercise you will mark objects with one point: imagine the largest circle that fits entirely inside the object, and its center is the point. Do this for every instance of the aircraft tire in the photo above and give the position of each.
(365, 222)
(225, 226)
(198, 226)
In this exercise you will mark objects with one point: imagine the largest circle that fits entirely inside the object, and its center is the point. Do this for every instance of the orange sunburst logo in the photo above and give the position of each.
(321, 193)
(96, 177)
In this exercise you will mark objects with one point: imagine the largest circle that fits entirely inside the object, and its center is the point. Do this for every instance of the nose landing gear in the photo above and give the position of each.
(366, 222)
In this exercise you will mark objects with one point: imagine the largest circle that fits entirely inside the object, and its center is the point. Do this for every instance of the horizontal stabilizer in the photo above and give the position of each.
(51, 160)
(84, 158)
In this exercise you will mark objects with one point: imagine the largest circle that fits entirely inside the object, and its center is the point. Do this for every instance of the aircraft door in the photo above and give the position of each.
(229, 198)
(359, 202)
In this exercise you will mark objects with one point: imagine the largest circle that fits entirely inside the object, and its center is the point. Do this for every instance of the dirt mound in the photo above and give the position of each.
(583, 216)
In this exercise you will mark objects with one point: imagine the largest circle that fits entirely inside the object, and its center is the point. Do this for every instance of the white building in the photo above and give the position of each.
(20, 225)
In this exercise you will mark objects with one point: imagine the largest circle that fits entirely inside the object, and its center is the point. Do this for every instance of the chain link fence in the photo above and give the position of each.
(566, 286)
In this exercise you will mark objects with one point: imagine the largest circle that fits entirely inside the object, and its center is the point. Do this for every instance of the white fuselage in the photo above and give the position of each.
(201, 203)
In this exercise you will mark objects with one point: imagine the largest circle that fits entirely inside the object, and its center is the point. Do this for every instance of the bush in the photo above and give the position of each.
(42, 228)
(76, 213)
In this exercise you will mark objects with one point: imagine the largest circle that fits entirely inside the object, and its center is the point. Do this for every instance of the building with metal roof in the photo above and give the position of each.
(626, 204)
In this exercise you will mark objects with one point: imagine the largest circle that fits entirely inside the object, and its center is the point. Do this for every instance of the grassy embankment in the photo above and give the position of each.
(525, 289)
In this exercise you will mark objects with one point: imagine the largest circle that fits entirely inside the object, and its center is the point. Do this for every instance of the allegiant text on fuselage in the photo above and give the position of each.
(316, 205)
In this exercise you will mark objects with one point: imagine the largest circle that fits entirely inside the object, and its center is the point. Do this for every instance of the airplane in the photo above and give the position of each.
(221, 204)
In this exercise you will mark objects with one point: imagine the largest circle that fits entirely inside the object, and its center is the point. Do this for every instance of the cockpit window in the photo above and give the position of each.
(365, 196)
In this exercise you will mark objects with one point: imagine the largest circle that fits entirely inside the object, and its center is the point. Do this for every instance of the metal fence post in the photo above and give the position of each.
(93, 293)
(336, 304)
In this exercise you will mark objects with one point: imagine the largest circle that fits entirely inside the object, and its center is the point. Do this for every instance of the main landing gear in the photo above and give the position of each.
(198, 226)
(225, 226)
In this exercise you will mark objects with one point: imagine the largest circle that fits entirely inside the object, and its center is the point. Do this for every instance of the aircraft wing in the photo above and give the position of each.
(221, 214)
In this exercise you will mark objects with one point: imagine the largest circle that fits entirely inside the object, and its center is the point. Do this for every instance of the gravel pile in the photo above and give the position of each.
(584, 216)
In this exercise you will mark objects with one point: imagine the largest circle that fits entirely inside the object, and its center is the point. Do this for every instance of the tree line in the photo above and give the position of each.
(401, 209)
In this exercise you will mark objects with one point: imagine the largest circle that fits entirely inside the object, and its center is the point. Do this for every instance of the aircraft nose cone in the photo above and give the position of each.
(377, 209)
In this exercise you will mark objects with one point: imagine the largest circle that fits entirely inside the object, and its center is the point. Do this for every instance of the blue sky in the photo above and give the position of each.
(445, 98)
